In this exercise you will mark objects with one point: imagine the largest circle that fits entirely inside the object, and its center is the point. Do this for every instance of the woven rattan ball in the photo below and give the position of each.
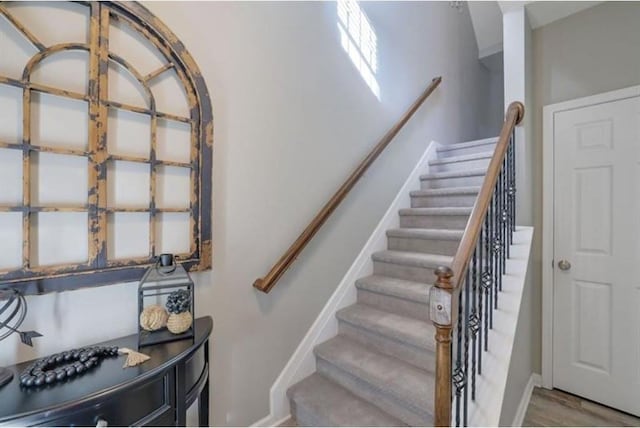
(153, 318)
(179, 323)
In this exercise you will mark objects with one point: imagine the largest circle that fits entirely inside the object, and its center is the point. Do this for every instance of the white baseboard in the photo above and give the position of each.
(302, 363)
(534, 380)
(269, 421)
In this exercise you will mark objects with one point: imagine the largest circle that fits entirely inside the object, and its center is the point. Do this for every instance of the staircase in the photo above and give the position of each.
(379, 369)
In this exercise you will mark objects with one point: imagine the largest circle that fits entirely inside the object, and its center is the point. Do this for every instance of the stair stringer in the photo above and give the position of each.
(303, 363)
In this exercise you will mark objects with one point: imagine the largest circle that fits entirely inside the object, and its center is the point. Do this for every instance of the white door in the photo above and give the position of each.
(596, 322)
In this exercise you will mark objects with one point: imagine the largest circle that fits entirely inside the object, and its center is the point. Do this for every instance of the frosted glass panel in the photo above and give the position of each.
(129, 134)
(128, 185)
(59, 180)
(10, 114)
(173, 234)
(10, 240)
(59, 122)
(128, 235)
(173, 187)
(174, 141)
(10, 177)
(59, 237)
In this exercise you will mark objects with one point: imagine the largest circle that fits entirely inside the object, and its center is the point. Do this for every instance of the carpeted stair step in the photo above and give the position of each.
(435, 218)
(433, 241)
(399, 389)
(468, 147)
(407, 339)
(447, 197)
(317, 401)
(439, 180)
(408, 298)
(462, 162)
(408, 265)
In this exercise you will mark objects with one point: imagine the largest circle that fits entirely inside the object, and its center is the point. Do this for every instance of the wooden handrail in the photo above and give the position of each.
(444, 295)
(269, 281)
(515, 114)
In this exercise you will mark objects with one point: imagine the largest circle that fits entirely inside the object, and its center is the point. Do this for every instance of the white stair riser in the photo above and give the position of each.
(434, 221)
(401, 271)
(439, 183)
(364, 390)
(444, 247)
(434, 201)
(488, 147)
(419, 357)
(461, 165)
(394, 304)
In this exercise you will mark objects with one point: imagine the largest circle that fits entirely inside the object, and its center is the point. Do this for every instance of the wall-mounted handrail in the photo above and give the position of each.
(266, 283)
(486, 240)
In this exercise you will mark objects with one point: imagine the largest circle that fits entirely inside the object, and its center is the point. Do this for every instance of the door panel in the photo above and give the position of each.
(596, 331)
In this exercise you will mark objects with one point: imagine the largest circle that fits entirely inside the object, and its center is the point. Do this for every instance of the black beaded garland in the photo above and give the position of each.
(65, 365)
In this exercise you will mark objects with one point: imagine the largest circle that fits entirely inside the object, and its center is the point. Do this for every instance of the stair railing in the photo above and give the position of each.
(269, 281)
(465, 295)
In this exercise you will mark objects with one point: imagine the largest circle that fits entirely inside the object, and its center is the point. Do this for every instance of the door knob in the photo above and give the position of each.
(564, 265)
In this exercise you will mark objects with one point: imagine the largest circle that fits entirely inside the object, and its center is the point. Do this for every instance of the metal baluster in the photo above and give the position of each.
(458, 375)
(513, 178)
(500, 224)
(483, 315)
(466, 348)
(507, 205)
(495, 249)
(486, 282)
(505, 216)
(474, 321)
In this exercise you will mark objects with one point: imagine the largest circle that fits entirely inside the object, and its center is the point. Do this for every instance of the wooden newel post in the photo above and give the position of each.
(441, 310)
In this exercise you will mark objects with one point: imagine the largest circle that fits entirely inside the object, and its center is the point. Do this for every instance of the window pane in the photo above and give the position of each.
(10, 177)
(173, 234)
(10, 240)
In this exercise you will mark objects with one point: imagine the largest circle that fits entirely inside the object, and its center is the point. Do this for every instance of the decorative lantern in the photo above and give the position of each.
(165, 303)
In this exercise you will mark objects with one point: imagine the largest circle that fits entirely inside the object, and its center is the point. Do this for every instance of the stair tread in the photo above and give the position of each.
(403, 329)
(467, 144)
(336, 406)
(390, 376)
(401, 288)
(447, 191)
(409, 258)
(417, 233)
(454, 174)
(436, 211)
(461, 158)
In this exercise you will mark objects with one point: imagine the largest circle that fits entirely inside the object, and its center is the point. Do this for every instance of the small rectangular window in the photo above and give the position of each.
(359, 40)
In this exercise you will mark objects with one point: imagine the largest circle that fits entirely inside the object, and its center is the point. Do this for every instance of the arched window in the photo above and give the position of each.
(106, 138)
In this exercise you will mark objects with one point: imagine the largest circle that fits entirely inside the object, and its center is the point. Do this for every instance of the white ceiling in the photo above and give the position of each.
(486, 17)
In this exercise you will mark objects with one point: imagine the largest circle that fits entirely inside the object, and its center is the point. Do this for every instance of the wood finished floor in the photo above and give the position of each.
(559, 409)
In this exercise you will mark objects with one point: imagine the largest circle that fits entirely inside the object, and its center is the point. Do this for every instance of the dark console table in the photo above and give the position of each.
(156, 393)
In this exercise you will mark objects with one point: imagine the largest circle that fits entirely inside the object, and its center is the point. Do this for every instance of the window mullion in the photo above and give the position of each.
(98, 117)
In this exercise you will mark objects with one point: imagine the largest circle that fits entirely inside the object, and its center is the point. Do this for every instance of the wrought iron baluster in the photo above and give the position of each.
(495, 250)
(466, 349)
(474, 322)
(483, 315)
(513, 178)
(458, 376)
(486, 282)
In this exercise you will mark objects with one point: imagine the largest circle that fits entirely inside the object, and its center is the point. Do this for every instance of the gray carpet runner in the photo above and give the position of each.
(379, 369)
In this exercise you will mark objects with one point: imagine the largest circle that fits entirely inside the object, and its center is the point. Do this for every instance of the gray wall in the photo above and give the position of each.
(593, 51)
(292, 119)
